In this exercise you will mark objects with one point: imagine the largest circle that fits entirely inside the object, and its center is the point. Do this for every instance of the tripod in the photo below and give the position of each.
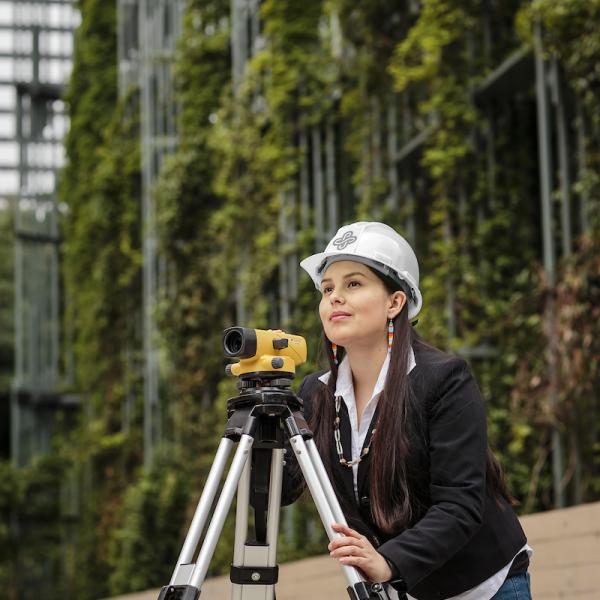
(259, 420)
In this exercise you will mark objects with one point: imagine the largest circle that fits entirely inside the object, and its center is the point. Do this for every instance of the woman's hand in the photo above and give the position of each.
(355, 550)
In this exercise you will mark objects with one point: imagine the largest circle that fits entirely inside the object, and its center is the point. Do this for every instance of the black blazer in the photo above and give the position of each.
(460, 535)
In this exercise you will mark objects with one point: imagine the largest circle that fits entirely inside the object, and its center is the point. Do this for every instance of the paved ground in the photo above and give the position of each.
(306, 579)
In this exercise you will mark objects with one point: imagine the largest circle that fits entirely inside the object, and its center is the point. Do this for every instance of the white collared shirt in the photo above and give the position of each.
(488, 588)
(345, 388)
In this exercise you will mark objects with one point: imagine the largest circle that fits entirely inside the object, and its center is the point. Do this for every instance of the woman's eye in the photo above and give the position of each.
(327, 290)
(353, 284)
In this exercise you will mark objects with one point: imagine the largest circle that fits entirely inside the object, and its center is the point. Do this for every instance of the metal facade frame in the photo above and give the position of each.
(147, 35)
(42, 34)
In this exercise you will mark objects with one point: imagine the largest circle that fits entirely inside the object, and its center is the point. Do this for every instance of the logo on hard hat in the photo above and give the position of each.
(344, 241)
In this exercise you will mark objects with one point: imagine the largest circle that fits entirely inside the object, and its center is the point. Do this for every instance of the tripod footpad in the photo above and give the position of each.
(254, 575)
(179, 592)
(367, 591)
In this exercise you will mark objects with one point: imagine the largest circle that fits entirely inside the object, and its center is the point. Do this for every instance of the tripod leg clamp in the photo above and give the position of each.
(254, 575)
(179, 592)
(367, 591)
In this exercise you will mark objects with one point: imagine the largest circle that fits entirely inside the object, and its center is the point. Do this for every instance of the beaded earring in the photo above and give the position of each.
(390, 335)
(334, 352)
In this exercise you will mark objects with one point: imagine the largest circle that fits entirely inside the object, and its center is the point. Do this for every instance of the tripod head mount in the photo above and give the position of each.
(277, 398)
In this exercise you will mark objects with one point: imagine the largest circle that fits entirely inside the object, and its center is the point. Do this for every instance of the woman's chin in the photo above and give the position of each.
(341, 340)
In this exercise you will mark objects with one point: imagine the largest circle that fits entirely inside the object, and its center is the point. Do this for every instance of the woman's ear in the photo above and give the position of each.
(397, 302)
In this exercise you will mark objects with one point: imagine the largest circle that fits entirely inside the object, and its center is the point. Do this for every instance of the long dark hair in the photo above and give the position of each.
(394, 502)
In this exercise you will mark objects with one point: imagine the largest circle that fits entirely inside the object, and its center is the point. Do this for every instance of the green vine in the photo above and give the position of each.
(219, 199)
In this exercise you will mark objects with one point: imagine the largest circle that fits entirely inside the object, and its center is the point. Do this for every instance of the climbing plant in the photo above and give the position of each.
(498, 295)
(102, 269)
(350, 68)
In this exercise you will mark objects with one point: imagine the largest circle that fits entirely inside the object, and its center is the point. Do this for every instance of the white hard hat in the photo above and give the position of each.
(378, 246)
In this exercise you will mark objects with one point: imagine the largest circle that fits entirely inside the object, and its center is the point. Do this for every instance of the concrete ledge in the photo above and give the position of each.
(566, 563)
(314, 578)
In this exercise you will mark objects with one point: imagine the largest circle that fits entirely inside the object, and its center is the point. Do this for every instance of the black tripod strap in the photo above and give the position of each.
(262, 475)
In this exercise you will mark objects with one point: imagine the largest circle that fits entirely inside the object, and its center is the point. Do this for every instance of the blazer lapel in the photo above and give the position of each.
(346, 439)
(363, 465)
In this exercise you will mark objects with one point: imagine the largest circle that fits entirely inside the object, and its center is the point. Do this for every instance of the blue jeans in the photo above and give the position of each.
(514, 588)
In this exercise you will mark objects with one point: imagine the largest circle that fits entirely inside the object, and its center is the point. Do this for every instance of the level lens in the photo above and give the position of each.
(233, 342)
(239, 342)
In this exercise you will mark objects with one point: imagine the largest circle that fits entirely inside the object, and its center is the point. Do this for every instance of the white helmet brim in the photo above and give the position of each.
(316, 264)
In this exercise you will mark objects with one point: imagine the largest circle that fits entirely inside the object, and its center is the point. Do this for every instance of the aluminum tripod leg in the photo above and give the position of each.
(186, 556)
(220, 512)
(187, 574)
(330, 511)
(327, 506)
(257, 555)
(324, 481)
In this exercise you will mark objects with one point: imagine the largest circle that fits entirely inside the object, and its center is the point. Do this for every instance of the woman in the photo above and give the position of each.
(401, 428)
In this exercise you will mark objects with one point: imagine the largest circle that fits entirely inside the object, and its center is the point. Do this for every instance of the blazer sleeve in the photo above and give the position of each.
(457, 453)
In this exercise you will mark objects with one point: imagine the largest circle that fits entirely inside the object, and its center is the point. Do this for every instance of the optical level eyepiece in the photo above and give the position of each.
(239, 342)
